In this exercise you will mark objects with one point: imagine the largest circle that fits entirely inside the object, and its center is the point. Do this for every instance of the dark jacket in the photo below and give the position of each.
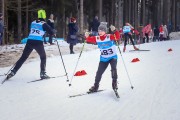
(94, 25)
(1, 26)
(72, 37)
(50, 23)
(156, 31)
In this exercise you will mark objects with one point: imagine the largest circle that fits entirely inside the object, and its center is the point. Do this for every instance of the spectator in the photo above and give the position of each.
(161, 32)
(72, 38)
(1, 28)
(50, 22)
(156, 34)
(94, 26)
(165, 35)
(146, 32)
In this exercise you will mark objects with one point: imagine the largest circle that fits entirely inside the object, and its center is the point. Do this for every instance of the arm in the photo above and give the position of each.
(91, 39)
(48, 29)
(115, 36)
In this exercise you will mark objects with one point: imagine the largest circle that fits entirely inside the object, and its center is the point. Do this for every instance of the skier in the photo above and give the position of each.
(127, 33)
(35, 41)
(106, 44)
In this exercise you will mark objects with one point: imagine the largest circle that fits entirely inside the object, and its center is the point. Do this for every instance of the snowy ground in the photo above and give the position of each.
(9, 54)
(155, 95)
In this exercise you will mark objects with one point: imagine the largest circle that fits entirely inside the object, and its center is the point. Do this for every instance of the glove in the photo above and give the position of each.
(87, 34)
(112, 28)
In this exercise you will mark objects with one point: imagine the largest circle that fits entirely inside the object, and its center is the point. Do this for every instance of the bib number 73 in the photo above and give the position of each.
(107, 52)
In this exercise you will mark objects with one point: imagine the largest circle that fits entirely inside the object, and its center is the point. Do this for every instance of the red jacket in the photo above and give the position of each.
(115, 36)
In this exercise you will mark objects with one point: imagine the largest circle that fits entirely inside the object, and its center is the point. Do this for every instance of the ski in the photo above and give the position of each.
(116, 93)
(87, 93)
(4, 80)
(138, 50)
(44, 79)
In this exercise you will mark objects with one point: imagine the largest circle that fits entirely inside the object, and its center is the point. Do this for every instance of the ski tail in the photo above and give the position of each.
(87, 93)
(44, 79)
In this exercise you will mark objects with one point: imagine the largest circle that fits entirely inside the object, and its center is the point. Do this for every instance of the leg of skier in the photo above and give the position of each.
(27, 51)
(113, 64)
(101, 68)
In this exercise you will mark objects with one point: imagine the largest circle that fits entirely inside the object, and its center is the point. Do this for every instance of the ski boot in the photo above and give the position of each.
(135, 48)
(114, 85)
(124, 49)
(72, 52)
(94, 88)
(10, 75)
(43, 75)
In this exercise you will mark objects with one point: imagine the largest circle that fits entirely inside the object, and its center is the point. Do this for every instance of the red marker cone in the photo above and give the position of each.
(169, 50)
(80, 73)
(135, 60)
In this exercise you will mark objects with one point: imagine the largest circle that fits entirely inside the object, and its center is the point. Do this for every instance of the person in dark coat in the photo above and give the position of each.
(72, 38)
(156, 34)
(50, 22)
(94, 26)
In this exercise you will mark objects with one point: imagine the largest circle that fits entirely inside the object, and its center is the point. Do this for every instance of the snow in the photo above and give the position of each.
(155, 95)
(174, 35)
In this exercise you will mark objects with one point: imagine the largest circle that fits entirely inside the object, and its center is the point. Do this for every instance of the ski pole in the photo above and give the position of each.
(77, 62)
(124, 65)
(10, 69)
(62, 61)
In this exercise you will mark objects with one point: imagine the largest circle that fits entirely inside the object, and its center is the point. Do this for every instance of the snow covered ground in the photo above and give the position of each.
(155, 95)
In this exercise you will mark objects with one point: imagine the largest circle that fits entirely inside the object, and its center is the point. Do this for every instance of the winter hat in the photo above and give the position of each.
(103, 26)
(73, 19)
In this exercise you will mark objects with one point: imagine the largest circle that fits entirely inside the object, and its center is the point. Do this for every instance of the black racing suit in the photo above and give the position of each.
(38, 46)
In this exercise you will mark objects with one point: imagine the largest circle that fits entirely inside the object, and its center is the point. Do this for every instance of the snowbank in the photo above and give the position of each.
(174, 35)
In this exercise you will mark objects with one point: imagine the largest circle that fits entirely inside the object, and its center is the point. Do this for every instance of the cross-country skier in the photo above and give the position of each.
(35, 41)
(127, 33)
(106, 44)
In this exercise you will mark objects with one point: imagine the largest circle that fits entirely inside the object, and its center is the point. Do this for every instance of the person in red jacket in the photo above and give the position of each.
(107, 45)
(161, 32)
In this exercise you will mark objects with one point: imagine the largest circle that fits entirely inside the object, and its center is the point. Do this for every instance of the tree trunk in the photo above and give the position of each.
(81, 16)
(19, 21)
(136, 14)
(173, 15)
(3, 4)
(27, 22)
(120, 19)
(100, 10)
(143, 12)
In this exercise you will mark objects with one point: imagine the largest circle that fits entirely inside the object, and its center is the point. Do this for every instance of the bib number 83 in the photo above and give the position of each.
(107, 52)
